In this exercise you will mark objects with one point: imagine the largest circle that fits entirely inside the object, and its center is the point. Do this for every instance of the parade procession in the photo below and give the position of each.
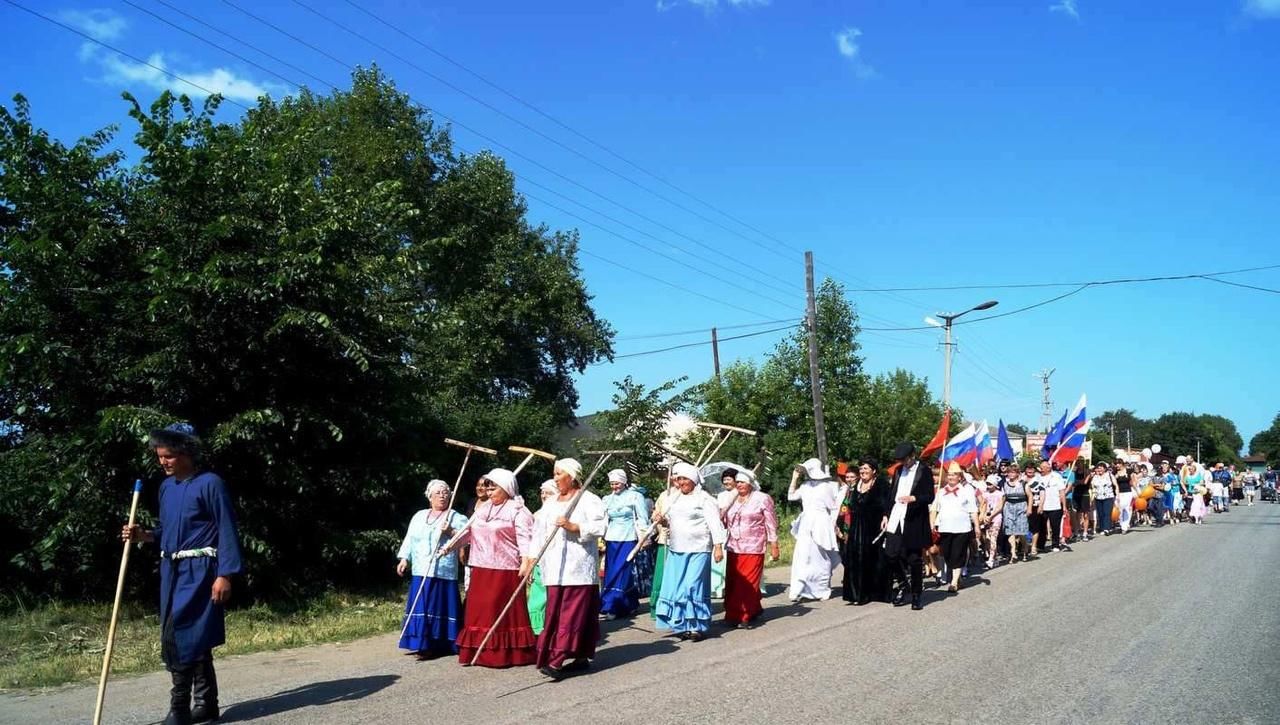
(507, 586)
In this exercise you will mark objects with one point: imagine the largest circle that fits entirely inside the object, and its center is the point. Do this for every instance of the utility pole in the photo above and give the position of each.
(946, 365)
(1046, 403)
(715, 353)
(1128, 439)
(1197, 450)
(815, 377)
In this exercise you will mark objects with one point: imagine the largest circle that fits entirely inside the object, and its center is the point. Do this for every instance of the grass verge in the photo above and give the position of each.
(58, 643)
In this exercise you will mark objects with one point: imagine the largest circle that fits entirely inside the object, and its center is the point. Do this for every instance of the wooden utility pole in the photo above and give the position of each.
(815, 377)
(715, 353)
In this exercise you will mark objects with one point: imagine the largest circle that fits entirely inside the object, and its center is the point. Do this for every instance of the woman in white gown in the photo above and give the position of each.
(817, 553)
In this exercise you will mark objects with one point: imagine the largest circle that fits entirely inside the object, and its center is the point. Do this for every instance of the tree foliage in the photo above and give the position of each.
(325, 289)
(1267, 443)
(635, 422)
(865, 416)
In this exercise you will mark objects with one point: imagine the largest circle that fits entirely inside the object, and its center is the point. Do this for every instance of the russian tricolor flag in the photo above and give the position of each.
(983, 442)
(963, 448)
(1074, 433)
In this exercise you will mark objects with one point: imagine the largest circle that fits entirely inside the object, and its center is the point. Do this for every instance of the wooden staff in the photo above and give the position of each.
(524, 581)
(115, 608)
(444, 523)
(653, 528)
(531, 454)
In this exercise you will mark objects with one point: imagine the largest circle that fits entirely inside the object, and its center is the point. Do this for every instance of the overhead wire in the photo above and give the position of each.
(474, 131)
(1093, 283)
(526, 180)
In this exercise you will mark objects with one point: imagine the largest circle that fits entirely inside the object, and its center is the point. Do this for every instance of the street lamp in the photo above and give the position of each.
(945, 324)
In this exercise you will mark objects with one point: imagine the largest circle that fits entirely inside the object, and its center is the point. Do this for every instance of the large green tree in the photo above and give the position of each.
(1267, 443)
(324, 288)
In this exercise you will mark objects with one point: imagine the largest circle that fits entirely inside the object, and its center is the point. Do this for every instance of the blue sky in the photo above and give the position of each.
(906, 144)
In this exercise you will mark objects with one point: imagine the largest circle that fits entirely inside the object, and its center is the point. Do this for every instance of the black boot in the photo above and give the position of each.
(205, 693)
(180, 696)
(915, 603)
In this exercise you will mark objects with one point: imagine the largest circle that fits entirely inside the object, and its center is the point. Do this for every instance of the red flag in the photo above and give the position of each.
(940, 438)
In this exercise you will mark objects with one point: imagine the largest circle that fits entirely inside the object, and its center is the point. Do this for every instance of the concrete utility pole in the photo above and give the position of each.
(715, 353)
(949, 346)
(815, 377)
(1046, 403)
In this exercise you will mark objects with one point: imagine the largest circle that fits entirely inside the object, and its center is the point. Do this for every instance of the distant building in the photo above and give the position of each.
(1257, 464)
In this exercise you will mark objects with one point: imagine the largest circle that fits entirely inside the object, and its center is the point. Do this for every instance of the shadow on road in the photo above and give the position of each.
(318, 693)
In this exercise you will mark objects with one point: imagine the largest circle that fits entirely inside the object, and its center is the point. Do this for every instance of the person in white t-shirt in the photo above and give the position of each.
(1053, 500)
(956, 522)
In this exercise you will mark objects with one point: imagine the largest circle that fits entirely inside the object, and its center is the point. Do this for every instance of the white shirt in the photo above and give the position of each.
(955, 510)
(571, 559)
(694, 522)
(1053, 484)
(898, 514)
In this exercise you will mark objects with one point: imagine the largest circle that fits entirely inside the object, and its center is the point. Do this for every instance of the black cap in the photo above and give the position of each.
(904, 450)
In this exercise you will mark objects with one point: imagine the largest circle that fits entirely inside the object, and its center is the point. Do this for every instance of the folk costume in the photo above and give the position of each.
(570, 570)
(751, 525)
(816, 552)
(433, 608)
(684, 602)
(628, 517)
(862, 513)
(499, 535)
(198, 544)
(908, 532)
(660, 551)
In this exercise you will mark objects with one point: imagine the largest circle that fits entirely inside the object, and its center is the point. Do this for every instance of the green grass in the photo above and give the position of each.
(58, 643)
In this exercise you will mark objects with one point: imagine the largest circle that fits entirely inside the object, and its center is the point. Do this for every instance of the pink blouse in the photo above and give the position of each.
(499, 535)
(752, 524)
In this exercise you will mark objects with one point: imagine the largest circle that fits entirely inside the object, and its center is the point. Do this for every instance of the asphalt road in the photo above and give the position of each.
(1177, 625)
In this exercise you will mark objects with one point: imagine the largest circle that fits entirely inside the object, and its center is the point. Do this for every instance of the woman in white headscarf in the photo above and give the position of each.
(433, 609)
(500, 531)
(570, 571)
(817, 552)
(537, 592)
(695, 537)
(628, 520)
(752, 526)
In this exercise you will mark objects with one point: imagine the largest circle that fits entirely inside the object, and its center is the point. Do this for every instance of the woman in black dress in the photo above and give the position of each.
(862, 517)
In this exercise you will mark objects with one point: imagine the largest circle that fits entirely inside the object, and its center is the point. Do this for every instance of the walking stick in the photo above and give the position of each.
(524, 581)
(444, 522)
(115, 608)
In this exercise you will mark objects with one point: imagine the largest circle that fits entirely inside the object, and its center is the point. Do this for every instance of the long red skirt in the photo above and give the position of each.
(742, 587)
(572, 627)
(512, 642)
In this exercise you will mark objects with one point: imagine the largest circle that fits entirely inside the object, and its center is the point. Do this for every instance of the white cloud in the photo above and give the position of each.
(106, 26)
(1262, 8)
(710, 6)
(195, 83)
(847, 44)
(101, 25)
(1066, 7)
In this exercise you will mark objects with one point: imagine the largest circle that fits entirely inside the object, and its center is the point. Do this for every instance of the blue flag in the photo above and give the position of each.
(1004, 449)
(1054, 438)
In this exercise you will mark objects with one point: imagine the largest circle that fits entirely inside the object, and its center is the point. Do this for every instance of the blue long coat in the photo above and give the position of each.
(195, 514)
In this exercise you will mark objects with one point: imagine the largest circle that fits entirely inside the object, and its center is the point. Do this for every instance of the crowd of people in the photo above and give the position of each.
(536, 584)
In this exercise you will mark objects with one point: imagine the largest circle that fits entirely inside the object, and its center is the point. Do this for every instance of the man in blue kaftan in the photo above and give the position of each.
(199, 552)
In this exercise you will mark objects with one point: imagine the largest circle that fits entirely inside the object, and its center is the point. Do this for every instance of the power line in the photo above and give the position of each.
(526, 180)
(1095, 283)
(704, 330)
(470, 129)
(234, 102)
(701, 343)
(1211, 278)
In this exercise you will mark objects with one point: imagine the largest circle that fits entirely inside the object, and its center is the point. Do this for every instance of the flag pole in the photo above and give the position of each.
(115, 608)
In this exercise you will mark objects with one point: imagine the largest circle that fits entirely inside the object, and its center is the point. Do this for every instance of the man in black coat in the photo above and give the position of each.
(908, 533)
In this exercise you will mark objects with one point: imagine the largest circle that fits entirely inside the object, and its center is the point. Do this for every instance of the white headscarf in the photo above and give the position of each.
(436, 485)
(686, 470)
(549, 486)
(814, 469)
(503, 479)
(571, 467)
(748, 477)
(618, 475)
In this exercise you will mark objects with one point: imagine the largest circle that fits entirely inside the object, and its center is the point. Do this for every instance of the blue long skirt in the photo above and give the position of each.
(618, 596)
(642, 570)
(435, 622)
(684, 602)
